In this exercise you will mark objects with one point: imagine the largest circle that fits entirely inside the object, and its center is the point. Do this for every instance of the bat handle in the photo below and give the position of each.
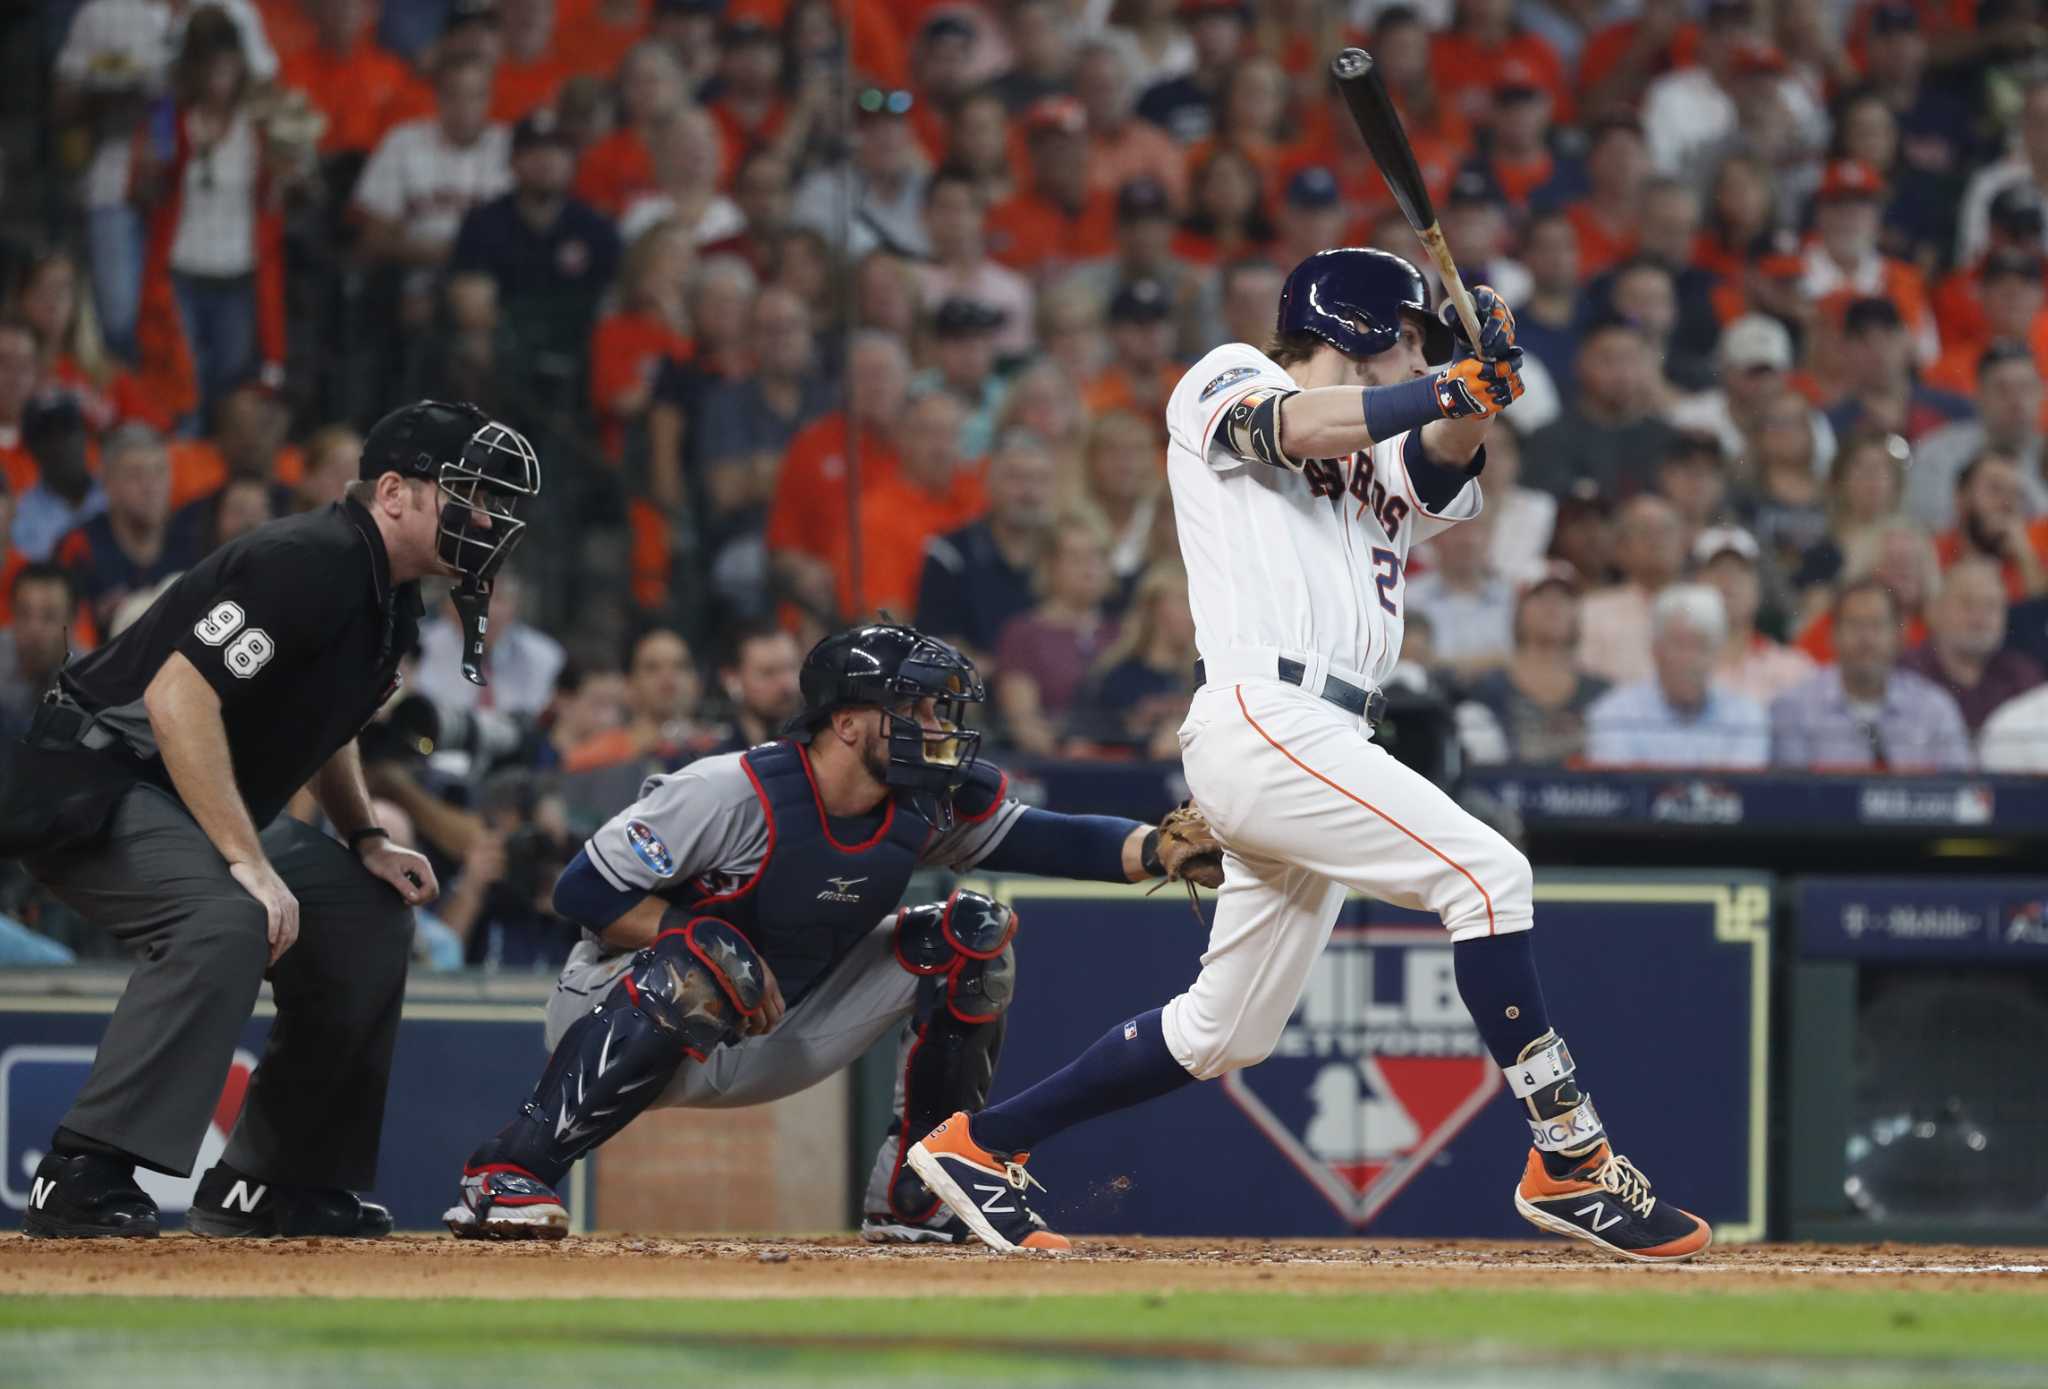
(1454, 283)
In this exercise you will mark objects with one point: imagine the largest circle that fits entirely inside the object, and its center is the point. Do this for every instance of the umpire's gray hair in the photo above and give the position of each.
(1698, 606)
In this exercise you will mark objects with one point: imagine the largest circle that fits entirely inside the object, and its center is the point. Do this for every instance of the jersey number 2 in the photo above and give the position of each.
(1386, 573)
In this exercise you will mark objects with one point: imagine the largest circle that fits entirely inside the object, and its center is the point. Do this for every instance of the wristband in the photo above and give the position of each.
(1391, 410)
(355, 840)
(1148, 855)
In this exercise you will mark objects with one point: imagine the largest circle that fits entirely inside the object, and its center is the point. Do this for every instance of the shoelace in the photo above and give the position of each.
(1018, 1178)
(1619, 1176)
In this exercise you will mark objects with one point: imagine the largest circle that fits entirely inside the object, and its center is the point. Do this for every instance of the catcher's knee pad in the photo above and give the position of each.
(683, 995)
(964, 942)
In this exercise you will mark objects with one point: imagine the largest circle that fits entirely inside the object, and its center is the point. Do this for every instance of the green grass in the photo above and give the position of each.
(1045, 1339)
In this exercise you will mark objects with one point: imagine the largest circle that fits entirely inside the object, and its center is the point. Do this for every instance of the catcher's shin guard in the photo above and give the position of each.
(683, 995)
(963, 948)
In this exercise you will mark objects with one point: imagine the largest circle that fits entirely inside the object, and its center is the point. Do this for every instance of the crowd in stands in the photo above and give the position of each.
(820, 308)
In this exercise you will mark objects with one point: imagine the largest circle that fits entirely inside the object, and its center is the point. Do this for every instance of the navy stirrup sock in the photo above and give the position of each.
(1128, 1065)
(1497, 980)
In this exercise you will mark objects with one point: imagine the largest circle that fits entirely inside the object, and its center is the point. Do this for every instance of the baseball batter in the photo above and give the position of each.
(1301, 475)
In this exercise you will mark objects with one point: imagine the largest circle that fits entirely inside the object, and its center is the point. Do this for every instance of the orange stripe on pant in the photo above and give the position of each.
(1281, 748)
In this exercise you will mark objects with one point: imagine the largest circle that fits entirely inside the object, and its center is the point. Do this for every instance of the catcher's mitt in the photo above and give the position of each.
(1188, 850)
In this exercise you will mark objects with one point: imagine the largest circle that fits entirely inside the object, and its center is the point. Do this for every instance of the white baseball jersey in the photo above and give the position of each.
(419, 180)
(1307, 561)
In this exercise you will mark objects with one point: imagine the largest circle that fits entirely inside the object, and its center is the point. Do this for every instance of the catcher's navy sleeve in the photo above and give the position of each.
(582, 895)
(1052, 845)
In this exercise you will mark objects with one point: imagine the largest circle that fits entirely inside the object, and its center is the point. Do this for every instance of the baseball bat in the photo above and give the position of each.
(1372, 110)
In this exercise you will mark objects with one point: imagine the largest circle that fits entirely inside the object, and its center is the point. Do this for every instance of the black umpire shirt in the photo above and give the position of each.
(298, 628)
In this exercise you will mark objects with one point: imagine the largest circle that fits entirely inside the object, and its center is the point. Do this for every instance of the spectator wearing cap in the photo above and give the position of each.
(2012, 311)
(1750, 663)
(20, 351)
(1611, 432)
(1755, 360)
(130, 545)
(651, 86)
(935, 489)
(1881, 390)
(1901, 556)
(961, 334)
(2026, 168)
(1121, 147)
(979, 576)
(1145, 232)
(1059, 220)
(2008, 422)
(1184, 105)
(1690, 111)
(1844, 263)
(1481, 38)
(1517, 155)
(1935, 120)
(1538, 700)
(875, 200)
(1622, 58)
(808, 519)
(685, 151)
(1964, 652)
(362, 90)
(427, 174)
(1992, 526)
(1470, 605)
(1043, 657)
(1142, 371)
(595, 38)
(531, 66)
(65, 494)
(1042, 54)
(1864, 712)
(1680, 715)
(548, 255)
(955, 219)
(1607, 219)
(1226, 218)
(1650, 550)
(1311, 216)
(2016, 225)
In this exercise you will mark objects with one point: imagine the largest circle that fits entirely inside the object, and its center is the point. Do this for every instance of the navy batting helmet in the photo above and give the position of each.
(1353, 298)
(892, 667)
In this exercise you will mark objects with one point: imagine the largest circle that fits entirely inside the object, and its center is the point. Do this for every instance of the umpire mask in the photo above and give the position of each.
(483, 471)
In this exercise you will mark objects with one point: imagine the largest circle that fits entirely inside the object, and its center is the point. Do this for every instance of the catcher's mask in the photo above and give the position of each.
(483, 471)
(894, 668)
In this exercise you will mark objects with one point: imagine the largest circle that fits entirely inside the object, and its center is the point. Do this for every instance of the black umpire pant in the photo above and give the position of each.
(314, 1110)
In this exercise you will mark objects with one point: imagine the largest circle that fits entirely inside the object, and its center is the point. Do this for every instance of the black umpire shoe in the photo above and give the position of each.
(88, 1196)
(229, 1205)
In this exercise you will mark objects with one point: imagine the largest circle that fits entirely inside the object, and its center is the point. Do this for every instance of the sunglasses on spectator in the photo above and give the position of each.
(877, 101)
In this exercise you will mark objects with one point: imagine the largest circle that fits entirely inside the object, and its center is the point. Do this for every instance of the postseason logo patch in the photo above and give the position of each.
(652, 852)
(1234, 374)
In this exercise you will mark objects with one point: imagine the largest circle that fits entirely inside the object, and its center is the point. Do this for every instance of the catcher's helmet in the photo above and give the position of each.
(889, 666)
(483, 470)
(1353, 298)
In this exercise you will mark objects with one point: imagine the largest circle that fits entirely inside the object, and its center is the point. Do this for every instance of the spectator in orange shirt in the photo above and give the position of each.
(749, 104)
(1481, 37)
(1741, 219)
(1142, 372)
(1252, 118)
(531, 67)
(1517, 154)
(943, 74)
(809, 515)
(648, 329)
(1061, 220)
(662, 690)
(689, 30)
(362, 90)
(1991, 525)
(935, 490)
(20, 349)
(1435, 123)
(1226, 214)
(2012, 312)
(1621, 60)
(1120, 146)
(1843, 261)
(651, 87)
(2016, 224)
(1617, 167)
(595, 40)
(1902, 557)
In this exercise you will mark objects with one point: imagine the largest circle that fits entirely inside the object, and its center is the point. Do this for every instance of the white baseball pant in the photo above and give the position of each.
(1307, 806)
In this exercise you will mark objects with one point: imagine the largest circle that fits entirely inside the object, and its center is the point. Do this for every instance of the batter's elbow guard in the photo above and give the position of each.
(967, 940)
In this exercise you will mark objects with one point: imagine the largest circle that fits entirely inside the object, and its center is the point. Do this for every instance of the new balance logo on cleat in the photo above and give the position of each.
(241, 1198)
(995, 1194)
(950, 1162)
(1596, 1210)
(39, 1192)
(1622, 1215)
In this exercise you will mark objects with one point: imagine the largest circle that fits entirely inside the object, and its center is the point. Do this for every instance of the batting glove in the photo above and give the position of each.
(1476, 389)
(1496, 323)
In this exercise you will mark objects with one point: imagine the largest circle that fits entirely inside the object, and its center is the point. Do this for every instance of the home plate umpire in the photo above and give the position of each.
(137, 796)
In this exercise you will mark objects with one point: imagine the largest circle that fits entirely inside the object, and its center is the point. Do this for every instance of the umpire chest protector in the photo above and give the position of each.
(814, 895)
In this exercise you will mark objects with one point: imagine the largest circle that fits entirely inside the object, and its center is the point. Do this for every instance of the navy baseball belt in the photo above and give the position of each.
(1370, 705)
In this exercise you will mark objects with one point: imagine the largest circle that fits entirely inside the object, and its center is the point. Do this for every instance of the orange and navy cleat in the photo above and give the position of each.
(986, 1190)
(1605, 1201)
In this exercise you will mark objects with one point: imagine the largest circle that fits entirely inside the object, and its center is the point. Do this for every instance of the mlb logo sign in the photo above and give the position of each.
(38, 1084)
(1378, 1070)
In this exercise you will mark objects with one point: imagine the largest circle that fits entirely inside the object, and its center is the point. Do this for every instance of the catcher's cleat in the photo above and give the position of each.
(943, 1227)
(1605, 1201)
(87, 1196)
(501, 1201)
(231, 1205)
(986, 1191)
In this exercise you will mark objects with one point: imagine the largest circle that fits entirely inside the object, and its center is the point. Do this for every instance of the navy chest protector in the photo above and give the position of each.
(813, 897)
